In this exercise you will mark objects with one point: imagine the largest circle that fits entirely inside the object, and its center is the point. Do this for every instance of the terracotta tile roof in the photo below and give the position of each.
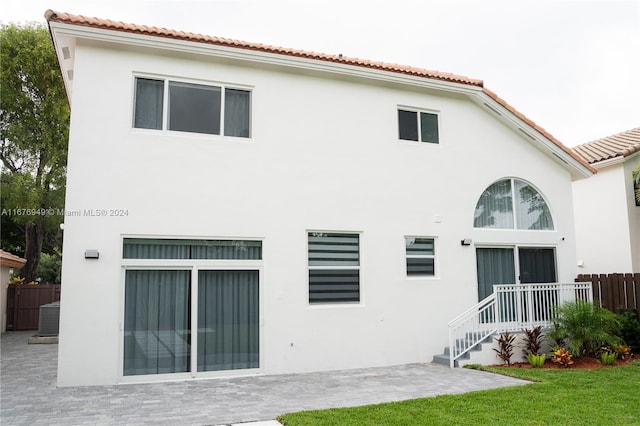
(11, 260)
(619, 145)
(67, 18)
(539, 129)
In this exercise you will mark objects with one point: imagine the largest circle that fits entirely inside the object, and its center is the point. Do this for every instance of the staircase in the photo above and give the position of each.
(511, 307)
(467, 358)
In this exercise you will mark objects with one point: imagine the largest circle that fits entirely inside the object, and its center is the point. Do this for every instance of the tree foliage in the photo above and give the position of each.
(34, 123)
(585, 328)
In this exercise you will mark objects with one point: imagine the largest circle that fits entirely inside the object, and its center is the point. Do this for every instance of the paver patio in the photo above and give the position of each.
(28, 392)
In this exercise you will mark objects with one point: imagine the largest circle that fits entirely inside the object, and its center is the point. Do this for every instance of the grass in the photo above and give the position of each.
(607, 396)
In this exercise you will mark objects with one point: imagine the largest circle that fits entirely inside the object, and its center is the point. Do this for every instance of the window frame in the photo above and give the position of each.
(433, 256)
(194, 266)
(166, 80)
(516, 223)
(419, 112)
(329, 303)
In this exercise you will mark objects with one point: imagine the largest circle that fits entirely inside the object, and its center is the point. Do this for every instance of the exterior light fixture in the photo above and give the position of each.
(91, 254)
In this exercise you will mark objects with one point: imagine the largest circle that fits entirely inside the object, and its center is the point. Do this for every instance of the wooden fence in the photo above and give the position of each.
(615, 291)
(24, 301)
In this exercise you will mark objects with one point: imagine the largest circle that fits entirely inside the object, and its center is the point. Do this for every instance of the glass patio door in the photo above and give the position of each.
(498, 266)
(159, 337)
(228, 320)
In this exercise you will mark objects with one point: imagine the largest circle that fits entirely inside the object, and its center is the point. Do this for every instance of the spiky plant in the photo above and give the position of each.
(532, 340)
(585, 328)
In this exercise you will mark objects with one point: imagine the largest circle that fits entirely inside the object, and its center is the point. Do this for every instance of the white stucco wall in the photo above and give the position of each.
(324, 155)
(607, 220)
(5, 275)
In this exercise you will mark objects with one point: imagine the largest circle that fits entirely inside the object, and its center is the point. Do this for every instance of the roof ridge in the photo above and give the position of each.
(53, 16)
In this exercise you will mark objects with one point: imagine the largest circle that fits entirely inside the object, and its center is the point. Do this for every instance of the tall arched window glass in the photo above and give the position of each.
(512, 204)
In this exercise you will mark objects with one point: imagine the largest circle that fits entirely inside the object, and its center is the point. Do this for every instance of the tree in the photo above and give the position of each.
(34, 127)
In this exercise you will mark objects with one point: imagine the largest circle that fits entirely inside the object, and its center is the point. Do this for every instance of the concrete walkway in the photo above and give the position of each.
(29, 395)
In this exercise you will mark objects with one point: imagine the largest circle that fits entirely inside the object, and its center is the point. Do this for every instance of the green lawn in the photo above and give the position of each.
(609, 396)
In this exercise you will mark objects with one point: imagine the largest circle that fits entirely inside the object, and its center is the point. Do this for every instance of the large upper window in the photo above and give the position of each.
(190, 107)
(334, 267)
(512, 204)
(418, 126)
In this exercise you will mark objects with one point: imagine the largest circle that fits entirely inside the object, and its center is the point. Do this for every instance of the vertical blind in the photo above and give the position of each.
(512, 204)
(157, 322)
(148, 104)
(228, 315)
(143, 248)
(191, 107)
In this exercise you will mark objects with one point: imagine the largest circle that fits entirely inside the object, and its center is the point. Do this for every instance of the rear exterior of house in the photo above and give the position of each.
(607, 214)
(239, 209)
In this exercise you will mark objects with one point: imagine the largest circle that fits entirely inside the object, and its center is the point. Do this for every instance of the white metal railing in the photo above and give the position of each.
(511, 307)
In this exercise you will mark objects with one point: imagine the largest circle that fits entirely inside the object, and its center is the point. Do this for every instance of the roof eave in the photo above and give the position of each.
(576, 165)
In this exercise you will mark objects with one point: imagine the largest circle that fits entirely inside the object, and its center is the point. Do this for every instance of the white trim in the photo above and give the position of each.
(167, 80)
(358, 267)
(434, 256)
(69, 30)
(437, 113)
(577, 169)
(195, 266)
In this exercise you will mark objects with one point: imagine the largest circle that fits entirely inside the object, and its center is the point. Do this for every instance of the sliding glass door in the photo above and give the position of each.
(228, 320)
(157, 326)
(498, 265)
(158, 333)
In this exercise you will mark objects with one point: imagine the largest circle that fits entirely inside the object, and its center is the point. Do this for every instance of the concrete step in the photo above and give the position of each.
(444, 358)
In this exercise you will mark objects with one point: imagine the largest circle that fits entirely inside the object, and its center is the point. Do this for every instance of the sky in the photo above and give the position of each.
(573, 67)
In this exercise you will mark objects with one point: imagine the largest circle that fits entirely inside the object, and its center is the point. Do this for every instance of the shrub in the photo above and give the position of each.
(562, 357)
(536, 360)
(608, 357)
(623, 351)
(533, 340)
(630, 329)
(505, 347)
(585, 328)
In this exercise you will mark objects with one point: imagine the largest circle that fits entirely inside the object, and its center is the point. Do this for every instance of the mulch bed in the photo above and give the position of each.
(584, 363)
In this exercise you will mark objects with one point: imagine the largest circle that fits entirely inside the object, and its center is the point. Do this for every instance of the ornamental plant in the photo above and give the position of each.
(623, 351)
(533, 339)
(536, 361)
(505, 347)
(562, 357)
(585, 328)
(608, 357)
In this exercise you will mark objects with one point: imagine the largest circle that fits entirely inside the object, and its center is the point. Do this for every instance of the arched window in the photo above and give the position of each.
(512, 204)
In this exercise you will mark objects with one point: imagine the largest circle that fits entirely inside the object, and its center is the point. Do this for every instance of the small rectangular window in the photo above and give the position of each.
(420, 256)
(334, 267)
(418, 126)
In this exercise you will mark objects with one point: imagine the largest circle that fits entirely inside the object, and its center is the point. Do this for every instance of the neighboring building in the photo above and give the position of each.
(606, 213)
(8, 262)
(236, 208)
